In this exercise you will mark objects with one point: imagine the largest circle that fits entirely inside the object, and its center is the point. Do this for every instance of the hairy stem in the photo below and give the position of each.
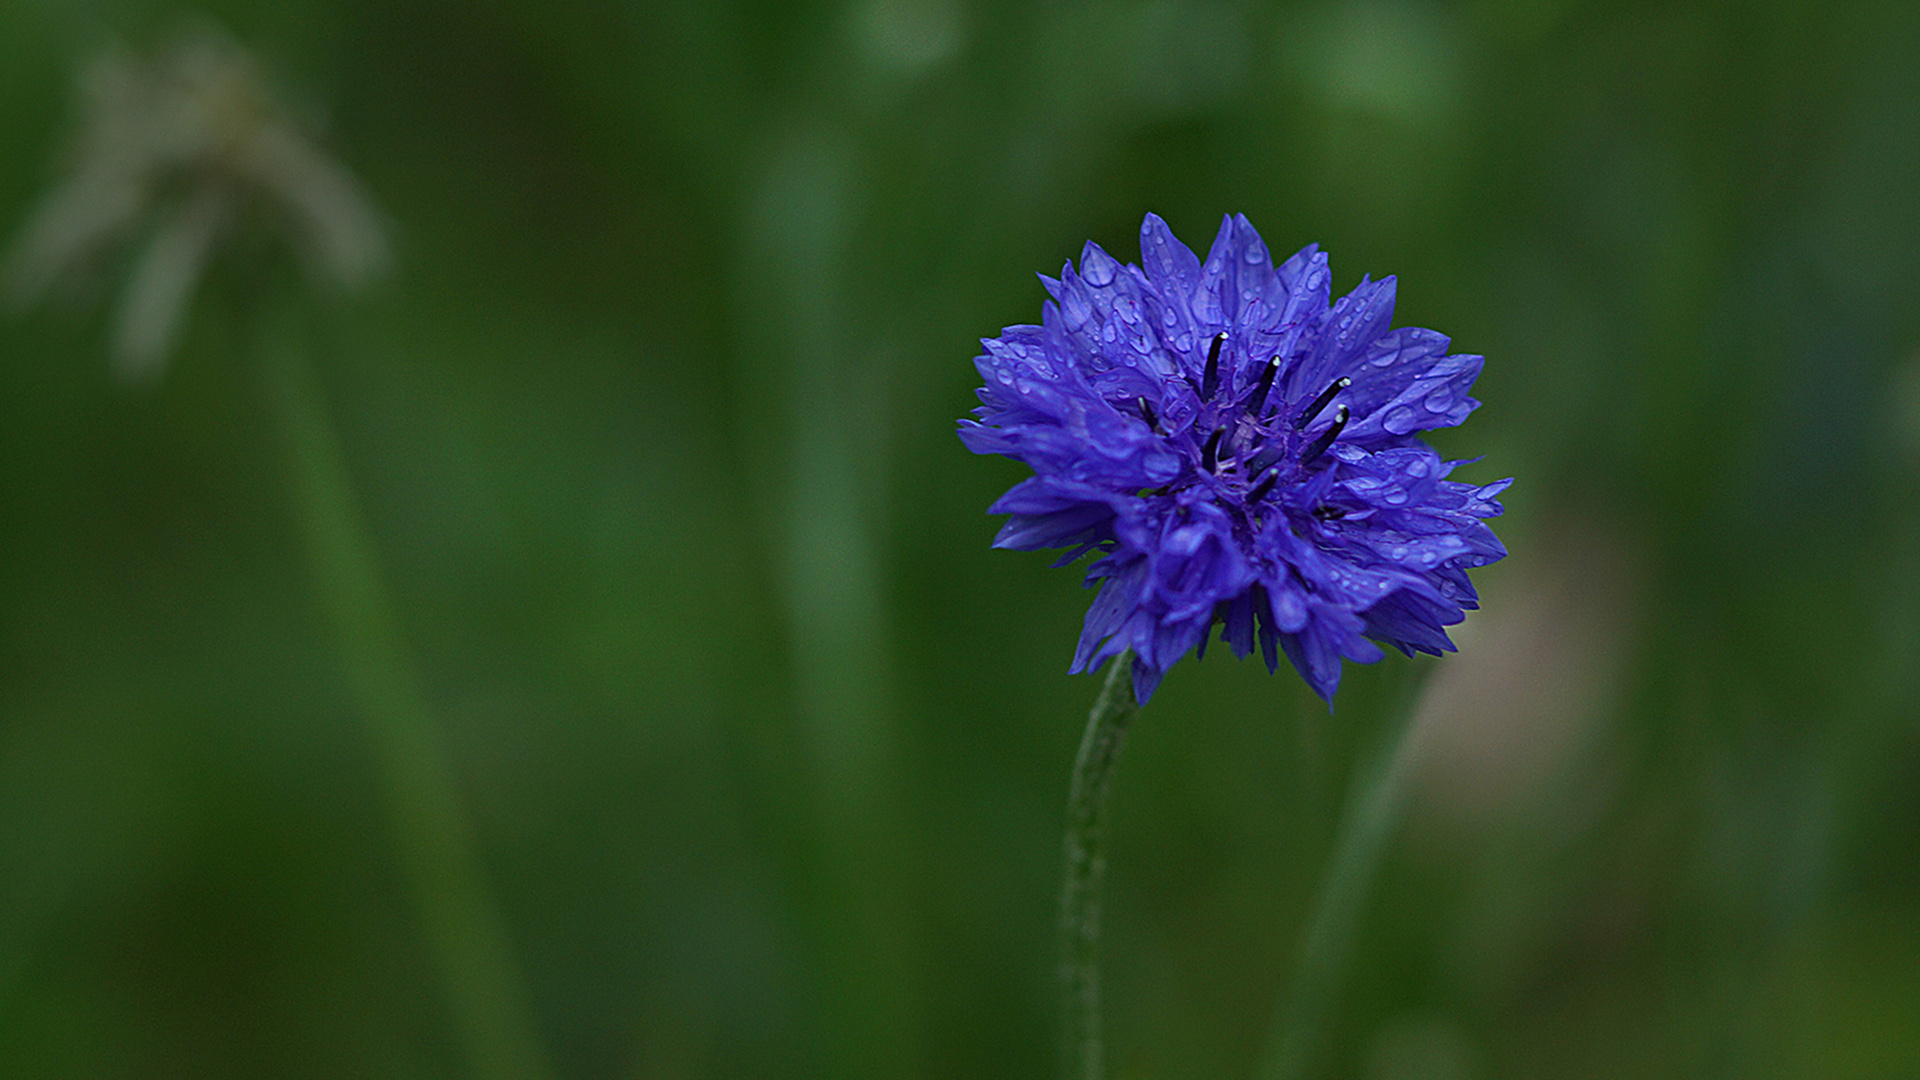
(433, 841)
(1083, 1052)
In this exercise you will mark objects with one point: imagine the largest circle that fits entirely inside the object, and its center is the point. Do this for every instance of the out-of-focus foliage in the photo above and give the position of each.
(653, 422)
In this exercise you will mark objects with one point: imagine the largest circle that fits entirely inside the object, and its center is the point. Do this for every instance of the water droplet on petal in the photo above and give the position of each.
(1075, 309)
(1290, 613)
(1097, 267)
(1440, 400)
(1399, 420)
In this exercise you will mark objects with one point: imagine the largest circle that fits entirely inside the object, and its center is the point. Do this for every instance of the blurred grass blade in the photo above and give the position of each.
(1373, 814)
(434, 842)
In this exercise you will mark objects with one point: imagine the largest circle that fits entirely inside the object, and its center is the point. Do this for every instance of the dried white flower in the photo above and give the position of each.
(176, 146)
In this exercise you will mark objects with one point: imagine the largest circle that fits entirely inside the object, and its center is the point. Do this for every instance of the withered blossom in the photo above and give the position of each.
(173, 153)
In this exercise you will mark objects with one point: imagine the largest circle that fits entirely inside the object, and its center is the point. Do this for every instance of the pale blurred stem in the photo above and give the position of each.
(1083, 1052)
(1367, 826)
(433, 841)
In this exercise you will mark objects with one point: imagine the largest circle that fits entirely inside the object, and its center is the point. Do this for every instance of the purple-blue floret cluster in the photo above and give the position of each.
(1239, 450)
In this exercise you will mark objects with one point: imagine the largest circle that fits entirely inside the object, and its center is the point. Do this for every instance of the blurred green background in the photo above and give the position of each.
(765, 751)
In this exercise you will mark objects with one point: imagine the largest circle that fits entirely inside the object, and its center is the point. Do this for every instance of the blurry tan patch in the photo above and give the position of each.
(1537, 674)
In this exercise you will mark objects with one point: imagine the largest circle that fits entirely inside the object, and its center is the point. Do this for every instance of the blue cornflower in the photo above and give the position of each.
(1239, 450)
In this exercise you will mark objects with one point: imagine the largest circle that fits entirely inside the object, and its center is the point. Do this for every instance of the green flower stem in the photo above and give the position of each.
(434, 843)
(1367, 827)
(1083, 1052)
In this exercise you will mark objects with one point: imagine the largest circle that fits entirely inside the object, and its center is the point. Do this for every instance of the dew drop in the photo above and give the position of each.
(1075, 309)
(1385, 359)
(1399, 420)
(1097, 267)
(1440, 400)
(1255, 254)
(1395, 497)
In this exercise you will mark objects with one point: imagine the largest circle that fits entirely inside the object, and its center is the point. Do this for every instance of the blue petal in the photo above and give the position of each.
(1098, 267)
(1145, 680)
(1119, 599)
(1354, 324)
(1024, 532)
(1237, 620)
(1401, 387)
(1170, 264)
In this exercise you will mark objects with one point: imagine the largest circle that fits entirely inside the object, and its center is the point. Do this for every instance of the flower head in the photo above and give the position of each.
(1240, 450)
(177, 146)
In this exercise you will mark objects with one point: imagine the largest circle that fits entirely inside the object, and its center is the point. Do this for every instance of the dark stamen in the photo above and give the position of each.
(1146, 413)
(1326, 397)
(1319, 445)
(1208, 453)
(1265, 485)
(1329, 512)
(1266, 384)
(1211, 380)
(1275, 450)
